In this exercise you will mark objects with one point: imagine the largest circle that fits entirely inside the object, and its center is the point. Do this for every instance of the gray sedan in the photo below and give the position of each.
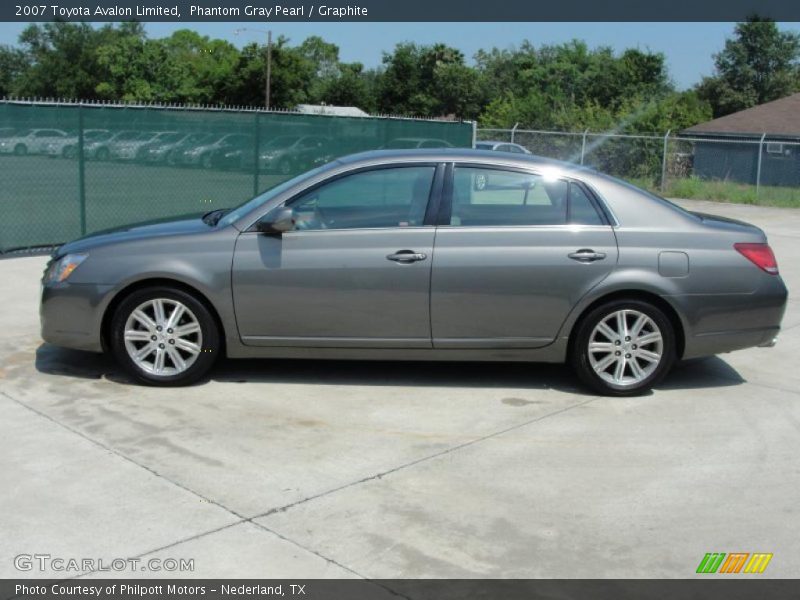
(424, 255)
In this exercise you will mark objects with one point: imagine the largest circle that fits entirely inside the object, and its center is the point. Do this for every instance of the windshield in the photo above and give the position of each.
(402, 144)
(199, 137)
(126, 135)
(241, 210)
(654, 196)
(96, 135)
(282, 141)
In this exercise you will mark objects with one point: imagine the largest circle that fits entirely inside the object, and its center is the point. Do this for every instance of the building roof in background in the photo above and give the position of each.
(324, 109)
(777, 118)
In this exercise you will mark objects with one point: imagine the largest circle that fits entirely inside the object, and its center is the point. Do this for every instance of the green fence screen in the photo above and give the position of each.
(71, 169)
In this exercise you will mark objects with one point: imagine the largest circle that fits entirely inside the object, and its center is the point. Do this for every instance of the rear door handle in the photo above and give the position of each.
(407, 256)
(586, 255)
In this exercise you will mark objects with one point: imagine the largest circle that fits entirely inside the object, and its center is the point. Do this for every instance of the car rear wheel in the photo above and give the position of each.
(623, 348)
(20, 149)
(164, 336)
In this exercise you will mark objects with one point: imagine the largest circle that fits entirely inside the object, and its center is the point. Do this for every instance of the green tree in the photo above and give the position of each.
(402, 89)
(13, 63)
(430, 81)
(291, 78)
(351, 86)
(569, 86)
(65, 59)
(759, 64)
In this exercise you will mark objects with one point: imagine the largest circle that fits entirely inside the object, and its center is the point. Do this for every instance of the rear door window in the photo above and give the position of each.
(484, 196)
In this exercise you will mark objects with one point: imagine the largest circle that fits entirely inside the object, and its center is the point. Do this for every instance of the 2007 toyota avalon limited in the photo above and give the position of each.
(415, 255)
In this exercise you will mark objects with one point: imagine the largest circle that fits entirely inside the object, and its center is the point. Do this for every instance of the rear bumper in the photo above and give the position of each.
(717, 323)
(728, 341)
(770, 342)
(71, 315)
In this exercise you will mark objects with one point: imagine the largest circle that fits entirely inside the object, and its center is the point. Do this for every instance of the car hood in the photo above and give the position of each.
(183, 225)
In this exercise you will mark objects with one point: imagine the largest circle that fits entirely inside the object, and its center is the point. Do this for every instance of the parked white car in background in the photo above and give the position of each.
(501, 147)
(67, 147)
(30, 141)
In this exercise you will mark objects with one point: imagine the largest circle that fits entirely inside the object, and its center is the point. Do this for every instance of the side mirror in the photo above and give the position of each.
(277, 222)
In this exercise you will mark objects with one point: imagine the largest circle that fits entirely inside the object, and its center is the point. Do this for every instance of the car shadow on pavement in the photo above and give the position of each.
(695, 374)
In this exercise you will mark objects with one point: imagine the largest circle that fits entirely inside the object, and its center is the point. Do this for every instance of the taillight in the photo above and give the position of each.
(760, 255)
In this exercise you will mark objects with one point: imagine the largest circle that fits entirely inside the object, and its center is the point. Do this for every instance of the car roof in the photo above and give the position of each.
(455, 154)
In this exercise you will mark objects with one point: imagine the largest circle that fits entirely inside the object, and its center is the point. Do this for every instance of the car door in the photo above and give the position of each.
(514, 252)
(353, 272)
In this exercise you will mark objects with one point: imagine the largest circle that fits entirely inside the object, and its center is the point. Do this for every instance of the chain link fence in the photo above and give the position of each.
(742, 168)
(68, 169)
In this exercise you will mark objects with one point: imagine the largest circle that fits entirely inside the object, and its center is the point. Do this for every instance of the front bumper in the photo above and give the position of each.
(71, 315)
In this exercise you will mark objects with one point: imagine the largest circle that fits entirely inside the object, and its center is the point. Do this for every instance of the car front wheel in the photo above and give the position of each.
(164, 336)
(623, 348)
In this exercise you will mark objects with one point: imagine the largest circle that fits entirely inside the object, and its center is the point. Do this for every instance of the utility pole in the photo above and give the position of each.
(268, 82)
(269, 68)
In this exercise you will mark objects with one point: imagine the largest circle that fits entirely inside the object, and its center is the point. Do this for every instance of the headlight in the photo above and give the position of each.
(61, 269)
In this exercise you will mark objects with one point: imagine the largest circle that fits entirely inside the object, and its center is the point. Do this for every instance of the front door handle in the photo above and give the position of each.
(407, 256)
(586, 255)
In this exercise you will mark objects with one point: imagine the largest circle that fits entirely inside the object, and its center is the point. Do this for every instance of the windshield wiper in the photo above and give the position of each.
(211, 218)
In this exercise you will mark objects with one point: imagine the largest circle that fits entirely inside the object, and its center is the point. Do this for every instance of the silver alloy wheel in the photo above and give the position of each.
(163, 337)
(625, 347)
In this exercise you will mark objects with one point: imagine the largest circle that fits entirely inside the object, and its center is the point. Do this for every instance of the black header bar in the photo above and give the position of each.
(709, 588)
(264, 11)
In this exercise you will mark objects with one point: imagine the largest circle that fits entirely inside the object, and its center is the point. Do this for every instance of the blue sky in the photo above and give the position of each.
(688, 46)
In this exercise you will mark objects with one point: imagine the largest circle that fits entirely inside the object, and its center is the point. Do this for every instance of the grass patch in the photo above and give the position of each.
(725, 191)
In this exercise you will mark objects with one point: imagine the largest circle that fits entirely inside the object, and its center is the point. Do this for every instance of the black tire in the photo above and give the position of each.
(579, 349)
(210, 347)
(103, 154)
(20, 149)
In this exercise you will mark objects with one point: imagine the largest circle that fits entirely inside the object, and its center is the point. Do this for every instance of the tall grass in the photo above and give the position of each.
(724, 191)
